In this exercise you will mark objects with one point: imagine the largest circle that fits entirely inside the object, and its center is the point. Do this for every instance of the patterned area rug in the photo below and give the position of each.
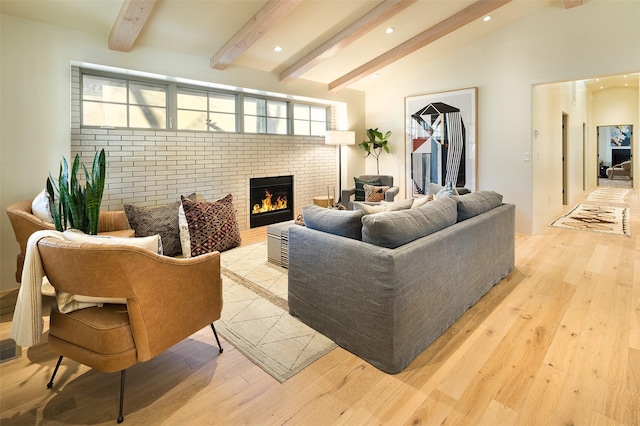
(255, 317)
(587, 217)
(608, 195)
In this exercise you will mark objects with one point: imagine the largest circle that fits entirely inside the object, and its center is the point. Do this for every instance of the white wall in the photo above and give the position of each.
(549, 45)
(35, 106)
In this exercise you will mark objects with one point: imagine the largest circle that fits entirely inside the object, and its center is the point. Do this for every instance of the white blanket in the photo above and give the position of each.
(26, 327)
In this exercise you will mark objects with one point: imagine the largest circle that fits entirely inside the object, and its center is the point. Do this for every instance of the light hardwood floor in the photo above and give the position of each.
(556, 342)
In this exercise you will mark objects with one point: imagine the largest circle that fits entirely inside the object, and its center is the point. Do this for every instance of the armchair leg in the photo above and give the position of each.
(216, 335)
(120, 416)
(55, 370)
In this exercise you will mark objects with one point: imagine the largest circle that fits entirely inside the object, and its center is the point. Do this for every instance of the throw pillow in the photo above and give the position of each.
(152, 243)
(40, 207)
(373, 194)
(162, 220)
(383, 206)
(475, 203)
(185, 238)
(394, 229)
(360, 183)
(212, 225)
(417, 202)
(434, 188)
(346, 223)
(447, 191)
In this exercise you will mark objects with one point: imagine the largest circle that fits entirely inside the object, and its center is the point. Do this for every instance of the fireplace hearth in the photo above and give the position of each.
(270, 201)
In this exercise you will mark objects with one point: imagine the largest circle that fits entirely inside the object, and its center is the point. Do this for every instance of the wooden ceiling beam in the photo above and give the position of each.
(269, 15)
(129, 23)
(454, 22)
(568, 4)
(376, 16)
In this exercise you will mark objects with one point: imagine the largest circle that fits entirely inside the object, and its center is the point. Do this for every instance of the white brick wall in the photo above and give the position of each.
(155, 167)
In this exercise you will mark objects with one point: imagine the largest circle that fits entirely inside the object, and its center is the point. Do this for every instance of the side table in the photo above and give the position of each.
(323, 201)
(278, 243)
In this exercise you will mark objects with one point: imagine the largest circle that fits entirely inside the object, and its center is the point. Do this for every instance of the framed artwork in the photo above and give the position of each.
(441, 133)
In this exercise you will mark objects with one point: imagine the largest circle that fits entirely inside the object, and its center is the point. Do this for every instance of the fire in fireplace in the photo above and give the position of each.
(271, 200)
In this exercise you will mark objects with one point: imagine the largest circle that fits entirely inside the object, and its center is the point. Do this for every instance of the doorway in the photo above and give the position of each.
(615, 144)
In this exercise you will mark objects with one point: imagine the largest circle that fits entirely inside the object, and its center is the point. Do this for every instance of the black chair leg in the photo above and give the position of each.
(216, 335)
(120, 416)
(55, 370)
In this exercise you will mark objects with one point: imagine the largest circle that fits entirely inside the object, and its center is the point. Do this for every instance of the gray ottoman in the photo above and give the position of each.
(278, 243)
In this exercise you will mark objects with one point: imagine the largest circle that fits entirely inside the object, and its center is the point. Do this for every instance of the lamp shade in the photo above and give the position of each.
(340, 137)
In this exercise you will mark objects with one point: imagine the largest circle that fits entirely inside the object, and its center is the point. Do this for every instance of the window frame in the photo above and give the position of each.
(172, 89)
(128, 104)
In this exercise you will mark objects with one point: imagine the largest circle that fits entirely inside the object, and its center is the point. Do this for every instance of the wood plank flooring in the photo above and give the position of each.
(556, 342)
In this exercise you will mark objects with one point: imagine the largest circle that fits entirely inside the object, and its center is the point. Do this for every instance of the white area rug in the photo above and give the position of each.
(255, 317)
(608, 195)
(587, 217)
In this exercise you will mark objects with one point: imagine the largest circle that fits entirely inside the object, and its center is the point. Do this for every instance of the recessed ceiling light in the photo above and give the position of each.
(487, 18)
(602, 87)
(376, 75)
(389, 30)
(277, 49)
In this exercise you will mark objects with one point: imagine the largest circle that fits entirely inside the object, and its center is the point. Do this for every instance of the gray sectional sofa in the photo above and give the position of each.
(384, 286)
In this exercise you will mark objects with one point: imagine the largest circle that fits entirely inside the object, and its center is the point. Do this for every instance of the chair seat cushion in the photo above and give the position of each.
(104, 330)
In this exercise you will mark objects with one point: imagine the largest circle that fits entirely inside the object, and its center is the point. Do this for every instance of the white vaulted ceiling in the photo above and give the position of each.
(249, 30)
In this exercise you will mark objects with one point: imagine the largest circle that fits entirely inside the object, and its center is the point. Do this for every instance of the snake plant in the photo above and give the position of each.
(73, 205)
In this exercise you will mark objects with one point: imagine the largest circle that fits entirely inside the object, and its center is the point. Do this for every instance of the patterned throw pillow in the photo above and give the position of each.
(162, 220)
(360, 183)
(374, 194)
(212, 225)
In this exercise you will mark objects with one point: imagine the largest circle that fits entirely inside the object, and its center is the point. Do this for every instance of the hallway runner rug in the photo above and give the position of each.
(608, 195)
(255, 317)
(587, 217)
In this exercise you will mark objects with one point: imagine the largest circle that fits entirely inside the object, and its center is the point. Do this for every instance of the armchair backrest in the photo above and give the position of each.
(25, 223)
(384, 179)
(168, 299)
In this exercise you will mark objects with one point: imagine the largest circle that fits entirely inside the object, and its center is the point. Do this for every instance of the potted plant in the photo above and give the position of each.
(375, 145)
(73, 205)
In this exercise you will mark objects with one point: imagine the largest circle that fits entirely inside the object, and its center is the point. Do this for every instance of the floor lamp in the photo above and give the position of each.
(340, 137)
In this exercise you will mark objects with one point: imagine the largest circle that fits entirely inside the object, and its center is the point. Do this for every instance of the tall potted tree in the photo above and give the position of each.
(73, 205)
(375, 145)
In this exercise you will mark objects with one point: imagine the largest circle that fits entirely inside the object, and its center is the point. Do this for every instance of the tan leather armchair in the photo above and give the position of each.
(623, 169)
(24, 224)
(168, 299)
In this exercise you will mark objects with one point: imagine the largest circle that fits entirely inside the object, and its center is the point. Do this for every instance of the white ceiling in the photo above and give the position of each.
(201, 27)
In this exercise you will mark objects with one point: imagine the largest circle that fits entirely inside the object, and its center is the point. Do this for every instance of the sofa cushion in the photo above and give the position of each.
(393, 229)
(383, 206)
(475, 203)
(346, 223)
(360, 183)
(374, 194)
(212, 225)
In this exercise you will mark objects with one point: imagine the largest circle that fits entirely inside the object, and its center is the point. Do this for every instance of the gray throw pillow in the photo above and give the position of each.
(346, 223)
(393, 229)
(475, 203)
(162, 220)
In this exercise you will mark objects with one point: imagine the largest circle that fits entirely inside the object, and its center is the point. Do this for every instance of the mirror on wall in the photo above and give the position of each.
(614, 146)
